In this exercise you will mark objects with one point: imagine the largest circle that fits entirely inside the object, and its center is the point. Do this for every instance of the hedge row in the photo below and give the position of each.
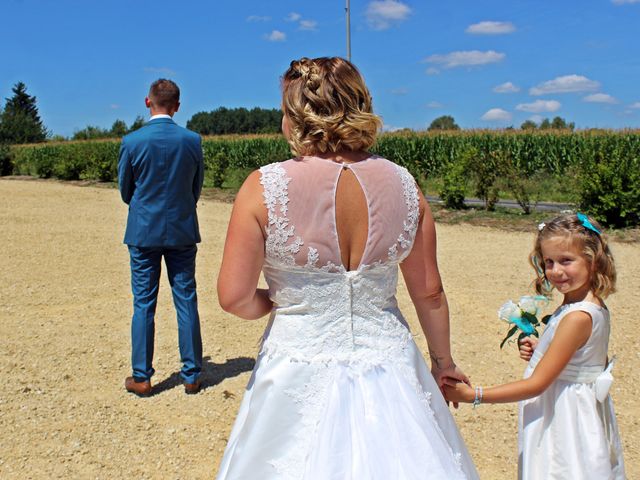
(606, 162)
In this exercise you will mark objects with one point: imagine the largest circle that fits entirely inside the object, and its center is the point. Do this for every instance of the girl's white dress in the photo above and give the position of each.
(567, 433)
(340, 391)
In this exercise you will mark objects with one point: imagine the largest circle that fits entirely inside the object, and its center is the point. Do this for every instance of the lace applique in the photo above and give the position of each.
(411, 199)
(312, 257)
(275, 182)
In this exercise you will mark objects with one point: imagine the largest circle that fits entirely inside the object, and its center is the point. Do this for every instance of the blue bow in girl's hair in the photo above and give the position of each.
(586, 223)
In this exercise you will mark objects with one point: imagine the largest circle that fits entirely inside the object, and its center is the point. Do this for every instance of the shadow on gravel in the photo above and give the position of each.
(212, 373)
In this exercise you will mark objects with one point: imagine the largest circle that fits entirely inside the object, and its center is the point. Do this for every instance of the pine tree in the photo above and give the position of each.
(19, 121)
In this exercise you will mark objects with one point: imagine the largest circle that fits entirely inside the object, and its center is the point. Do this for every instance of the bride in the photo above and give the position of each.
(339, 390)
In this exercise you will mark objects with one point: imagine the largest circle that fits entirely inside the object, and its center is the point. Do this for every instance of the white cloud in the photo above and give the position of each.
(276, 36)
(622, 2)
(465, 58)
(390, 128)
(381, 14)
(635, 105)
(539, 106)
(257, 18)
(400, 91)
(293, 17)
(432, 71)
(565, 84)
(506, 87)
(114, 106)
(599, 98)
(491, 28)
(434, 104)
(308, 25)
(160, 70)
(496, 115)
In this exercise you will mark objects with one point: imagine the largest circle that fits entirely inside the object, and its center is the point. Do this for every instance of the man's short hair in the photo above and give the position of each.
(164, 94)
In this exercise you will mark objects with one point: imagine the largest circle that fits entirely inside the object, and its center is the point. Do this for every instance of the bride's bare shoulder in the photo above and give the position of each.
(250, 196)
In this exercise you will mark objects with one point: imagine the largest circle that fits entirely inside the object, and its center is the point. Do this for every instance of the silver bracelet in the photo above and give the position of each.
(478, 397)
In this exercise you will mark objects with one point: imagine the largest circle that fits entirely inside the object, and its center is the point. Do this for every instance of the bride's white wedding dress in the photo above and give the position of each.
(340, 390)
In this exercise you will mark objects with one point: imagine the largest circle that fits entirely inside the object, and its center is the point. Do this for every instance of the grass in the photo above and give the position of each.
(546, 189)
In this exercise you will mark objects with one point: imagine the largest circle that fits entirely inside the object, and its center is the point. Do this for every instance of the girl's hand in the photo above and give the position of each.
(526, 347)
(458, 392)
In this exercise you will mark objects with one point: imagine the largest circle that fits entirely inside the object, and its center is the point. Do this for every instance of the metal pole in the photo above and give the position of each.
(348, 11)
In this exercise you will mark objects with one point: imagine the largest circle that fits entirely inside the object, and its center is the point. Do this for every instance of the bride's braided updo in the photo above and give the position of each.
(328, 107)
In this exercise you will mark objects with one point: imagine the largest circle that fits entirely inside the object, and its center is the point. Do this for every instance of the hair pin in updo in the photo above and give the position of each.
(541, 226)
(584, 220)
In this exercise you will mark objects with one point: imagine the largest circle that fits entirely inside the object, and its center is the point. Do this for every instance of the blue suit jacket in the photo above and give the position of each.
(160, 175)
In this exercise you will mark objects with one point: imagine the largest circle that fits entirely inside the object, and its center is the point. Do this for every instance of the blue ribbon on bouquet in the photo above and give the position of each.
(522, 324)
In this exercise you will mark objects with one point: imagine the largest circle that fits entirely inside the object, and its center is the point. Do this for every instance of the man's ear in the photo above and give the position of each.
(177, 107)
(147, 102)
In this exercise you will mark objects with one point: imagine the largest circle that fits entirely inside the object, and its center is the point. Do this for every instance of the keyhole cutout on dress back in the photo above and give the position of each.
(352, 219)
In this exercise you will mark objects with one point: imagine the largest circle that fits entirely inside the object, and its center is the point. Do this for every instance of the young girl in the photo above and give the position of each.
(567, 427)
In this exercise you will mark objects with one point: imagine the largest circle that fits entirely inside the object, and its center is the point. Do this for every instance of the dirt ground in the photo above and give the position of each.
(65, 307)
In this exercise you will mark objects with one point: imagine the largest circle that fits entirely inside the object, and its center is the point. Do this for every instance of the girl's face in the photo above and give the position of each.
(566, 268)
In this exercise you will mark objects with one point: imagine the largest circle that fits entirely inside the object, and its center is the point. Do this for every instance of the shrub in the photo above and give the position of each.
(6, 162)
(610, 188)
(484, 169)
(454, 183)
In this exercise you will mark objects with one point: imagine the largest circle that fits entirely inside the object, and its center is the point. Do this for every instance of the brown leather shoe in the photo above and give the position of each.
(192, 388)
(142, 389)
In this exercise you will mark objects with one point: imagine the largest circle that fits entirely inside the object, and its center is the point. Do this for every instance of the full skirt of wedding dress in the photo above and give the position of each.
(344, 422)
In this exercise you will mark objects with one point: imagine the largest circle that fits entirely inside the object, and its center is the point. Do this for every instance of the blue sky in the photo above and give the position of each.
(489, 64)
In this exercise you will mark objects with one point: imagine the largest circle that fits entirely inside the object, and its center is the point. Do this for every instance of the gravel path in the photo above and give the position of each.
(64, 343)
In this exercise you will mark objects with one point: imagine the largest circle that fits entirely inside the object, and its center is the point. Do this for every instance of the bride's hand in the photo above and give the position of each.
(449, 371)
(441, 372)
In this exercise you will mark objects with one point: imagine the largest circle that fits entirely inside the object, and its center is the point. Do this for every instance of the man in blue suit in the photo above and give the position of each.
(160, 175)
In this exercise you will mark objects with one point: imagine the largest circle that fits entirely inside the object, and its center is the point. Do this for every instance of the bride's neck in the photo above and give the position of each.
(345, 156)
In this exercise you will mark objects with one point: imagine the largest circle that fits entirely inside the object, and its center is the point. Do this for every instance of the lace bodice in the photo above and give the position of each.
(324, 311)
(300, 199)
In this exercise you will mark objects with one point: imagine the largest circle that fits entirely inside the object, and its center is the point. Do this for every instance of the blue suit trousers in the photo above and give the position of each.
(146, 265)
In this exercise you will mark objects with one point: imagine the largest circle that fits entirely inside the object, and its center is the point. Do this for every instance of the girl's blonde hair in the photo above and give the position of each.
(594, 247)
(328, 107)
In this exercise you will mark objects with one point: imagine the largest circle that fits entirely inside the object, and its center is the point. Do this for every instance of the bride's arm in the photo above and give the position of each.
(244, 255)
(420, 271)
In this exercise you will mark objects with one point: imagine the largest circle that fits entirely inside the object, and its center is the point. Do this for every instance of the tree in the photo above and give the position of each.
(560, 123)
(118, 129)
(91, 133)
(545, 124)
(19, 121)
(445, 122)
(137, 123)
(529, 125)
(236, 120)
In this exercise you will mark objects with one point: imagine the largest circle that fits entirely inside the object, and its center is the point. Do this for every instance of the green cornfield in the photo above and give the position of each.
(607, 162)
